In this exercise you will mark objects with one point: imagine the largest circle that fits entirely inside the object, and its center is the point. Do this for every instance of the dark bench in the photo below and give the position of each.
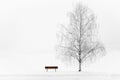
(51, 67)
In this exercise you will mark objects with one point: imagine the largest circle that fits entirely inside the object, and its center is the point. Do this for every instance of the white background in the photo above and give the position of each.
(28, 34)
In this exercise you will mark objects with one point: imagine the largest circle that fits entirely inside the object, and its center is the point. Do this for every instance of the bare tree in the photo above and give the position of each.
(79, 39)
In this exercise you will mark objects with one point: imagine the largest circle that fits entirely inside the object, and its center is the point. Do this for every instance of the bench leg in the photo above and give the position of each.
(46, 70)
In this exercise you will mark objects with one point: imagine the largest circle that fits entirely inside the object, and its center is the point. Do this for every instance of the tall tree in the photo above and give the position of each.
(79, 39)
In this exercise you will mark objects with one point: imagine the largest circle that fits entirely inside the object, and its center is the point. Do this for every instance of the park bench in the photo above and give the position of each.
(51, 67)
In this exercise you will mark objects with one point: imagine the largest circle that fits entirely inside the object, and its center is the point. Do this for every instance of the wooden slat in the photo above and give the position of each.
(51, 67)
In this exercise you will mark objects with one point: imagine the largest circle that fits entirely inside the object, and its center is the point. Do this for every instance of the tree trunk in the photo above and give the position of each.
(79, 61)
(80, 65)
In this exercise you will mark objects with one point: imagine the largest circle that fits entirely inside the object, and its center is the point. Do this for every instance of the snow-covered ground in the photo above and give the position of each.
(63, 76)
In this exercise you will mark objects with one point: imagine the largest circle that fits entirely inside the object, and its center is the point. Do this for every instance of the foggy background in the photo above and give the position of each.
(28, 34)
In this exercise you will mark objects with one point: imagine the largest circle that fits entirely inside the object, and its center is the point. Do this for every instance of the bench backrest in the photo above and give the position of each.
(51, 67)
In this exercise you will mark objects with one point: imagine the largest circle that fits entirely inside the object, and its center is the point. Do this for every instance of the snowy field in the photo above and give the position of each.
(63, 76)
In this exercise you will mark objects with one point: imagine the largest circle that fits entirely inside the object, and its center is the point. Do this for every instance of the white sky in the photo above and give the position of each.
(28, 34)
